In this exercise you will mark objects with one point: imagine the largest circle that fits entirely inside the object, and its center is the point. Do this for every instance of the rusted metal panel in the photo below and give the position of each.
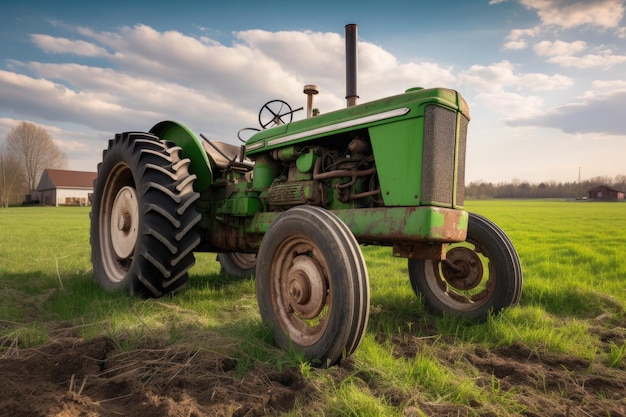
(388, 225)
(406, 224)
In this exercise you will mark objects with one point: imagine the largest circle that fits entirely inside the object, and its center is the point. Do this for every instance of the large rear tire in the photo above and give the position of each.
(479, 276)
(312, 284)
(143, 217)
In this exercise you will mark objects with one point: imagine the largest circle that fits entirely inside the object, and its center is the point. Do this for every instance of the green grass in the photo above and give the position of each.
(571, 252)
(573, 304)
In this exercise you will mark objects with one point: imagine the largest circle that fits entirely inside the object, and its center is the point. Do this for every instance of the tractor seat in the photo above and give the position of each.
(224, 155)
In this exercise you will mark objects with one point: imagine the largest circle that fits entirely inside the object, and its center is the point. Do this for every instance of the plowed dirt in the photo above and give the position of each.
(70, 376)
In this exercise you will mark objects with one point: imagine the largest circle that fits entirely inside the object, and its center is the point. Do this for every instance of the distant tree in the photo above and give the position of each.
(34, 150)
(547, 189)
(11, 179)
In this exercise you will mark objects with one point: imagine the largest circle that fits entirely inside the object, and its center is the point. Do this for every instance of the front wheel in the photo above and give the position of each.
(312, 284)
(481, 275)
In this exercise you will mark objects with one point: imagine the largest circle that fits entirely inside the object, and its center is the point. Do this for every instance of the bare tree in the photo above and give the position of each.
(11, 180)
(34, 150)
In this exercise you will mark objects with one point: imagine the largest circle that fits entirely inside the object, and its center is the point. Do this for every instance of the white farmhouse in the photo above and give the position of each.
(59, 187)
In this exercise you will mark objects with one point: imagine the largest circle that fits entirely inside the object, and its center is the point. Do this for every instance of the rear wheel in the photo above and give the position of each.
(142, 217)
(237, 264)
(481, 275)
(312, 284)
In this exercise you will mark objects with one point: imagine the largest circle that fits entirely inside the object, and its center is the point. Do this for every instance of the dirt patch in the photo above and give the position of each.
(544, 384)
(74, 377)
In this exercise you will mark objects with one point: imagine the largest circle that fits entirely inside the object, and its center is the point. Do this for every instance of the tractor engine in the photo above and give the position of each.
(327, 177)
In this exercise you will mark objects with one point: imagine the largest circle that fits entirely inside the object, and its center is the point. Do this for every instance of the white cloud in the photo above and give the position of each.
(517, 34)
(384, 76)
(318, 54)
(568, 14)
(161, 75)
(509, 104)
(29, 96)
(600, 114)
(564, 54)
(608, 85)
(227, 71)
(513, 45)
(515, 38)
(556, 48)
(544, 82)
(489, 78)
(51, 44)
(502, 75)
(589, 61)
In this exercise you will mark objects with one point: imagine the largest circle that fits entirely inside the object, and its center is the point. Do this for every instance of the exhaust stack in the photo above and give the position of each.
(351, 66)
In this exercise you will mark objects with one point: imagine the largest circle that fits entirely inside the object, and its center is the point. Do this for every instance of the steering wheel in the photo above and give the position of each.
(274, 113)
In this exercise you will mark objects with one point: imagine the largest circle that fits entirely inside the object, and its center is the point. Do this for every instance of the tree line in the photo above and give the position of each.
(26, 152)
(549, 189)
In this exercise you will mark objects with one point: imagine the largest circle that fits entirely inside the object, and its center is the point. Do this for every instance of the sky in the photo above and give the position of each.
(545, 79)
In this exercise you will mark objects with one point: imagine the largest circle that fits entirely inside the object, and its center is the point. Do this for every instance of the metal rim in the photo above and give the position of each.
(124, 222)
(119, 222)
(466, 279)
(302, 301)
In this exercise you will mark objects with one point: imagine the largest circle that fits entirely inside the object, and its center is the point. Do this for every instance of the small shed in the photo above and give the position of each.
(59, 187)
(605, 193)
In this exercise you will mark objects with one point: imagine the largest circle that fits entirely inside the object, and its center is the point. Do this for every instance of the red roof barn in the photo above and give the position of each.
(605, 193)
(59, 187)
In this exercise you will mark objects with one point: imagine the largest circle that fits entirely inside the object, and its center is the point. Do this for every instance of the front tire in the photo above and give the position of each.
(479, 276)
(312, 284)
(143, 218)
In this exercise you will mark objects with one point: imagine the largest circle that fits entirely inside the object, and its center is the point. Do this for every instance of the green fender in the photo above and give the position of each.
(192, 148)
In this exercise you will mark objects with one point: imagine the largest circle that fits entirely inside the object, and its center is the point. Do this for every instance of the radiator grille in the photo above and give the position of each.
(440, 185)
(460, 178)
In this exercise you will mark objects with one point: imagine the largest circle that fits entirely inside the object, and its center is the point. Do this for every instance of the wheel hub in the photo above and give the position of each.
(124, 222)
(306, 287)
(462, 268)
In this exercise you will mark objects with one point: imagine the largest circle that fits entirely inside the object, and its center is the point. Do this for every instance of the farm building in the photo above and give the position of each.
(59, 187)
(605, 193)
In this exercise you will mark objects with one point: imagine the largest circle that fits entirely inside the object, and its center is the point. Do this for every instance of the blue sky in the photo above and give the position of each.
(545, 79)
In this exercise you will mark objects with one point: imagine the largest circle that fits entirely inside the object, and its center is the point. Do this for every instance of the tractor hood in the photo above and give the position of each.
(409, 105)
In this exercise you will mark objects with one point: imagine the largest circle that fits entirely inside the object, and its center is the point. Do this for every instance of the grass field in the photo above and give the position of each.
(560, 352)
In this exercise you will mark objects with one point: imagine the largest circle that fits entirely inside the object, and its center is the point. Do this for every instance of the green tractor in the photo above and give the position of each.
(294, 203)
